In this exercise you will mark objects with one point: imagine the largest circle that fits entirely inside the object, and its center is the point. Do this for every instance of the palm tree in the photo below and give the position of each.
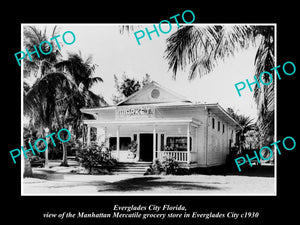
(53, 96)
(127, 86)
(34, 70)
(246, 124)
(39, 65)
(202, 47)
(82, 71)
(41, 101)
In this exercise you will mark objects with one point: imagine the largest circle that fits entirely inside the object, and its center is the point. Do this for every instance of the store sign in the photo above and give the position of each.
(134, 112)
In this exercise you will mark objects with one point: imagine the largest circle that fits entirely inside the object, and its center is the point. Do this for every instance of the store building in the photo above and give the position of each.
(164, 124)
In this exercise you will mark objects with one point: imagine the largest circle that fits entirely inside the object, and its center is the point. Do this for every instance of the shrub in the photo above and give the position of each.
(94, 157)
(132, 150)
(167, 166)
(170, 165)
(154, 168)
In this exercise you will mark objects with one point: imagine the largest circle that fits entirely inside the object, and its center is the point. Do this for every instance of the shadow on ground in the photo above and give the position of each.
(149, 183)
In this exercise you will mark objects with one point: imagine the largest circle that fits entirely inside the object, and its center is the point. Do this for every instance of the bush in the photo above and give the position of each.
(95, 158)
(167, 166)
(170, 165)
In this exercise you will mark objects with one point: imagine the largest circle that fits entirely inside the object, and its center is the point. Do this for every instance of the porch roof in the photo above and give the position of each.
(154, 121)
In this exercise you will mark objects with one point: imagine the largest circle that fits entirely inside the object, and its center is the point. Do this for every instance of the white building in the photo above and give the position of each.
(164, 123)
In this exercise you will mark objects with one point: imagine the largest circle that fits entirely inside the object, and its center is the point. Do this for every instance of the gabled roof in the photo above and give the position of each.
(153, 93)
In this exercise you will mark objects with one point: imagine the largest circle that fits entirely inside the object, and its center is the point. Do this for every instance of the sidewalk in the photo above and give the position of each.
(60, 181)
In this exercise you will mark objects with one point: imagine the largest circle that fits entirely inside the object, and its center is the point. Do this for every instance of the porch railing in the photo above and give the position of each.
(179, 156)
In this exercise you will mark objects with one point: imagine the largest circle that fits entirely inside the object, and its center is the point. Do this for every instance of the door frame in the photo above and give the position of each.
(158, 141)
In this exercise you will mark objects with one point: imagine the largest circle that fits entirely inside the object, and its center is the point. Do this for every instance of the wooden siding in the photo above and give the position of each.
(217, 142)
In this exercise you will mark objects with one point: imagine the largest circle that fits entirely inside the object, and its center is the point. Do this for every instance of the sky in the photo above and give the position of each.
(118, 54)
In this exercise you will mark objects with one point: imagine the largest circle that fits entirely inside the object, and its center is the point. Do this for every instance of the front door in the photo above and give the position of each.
(146, 147)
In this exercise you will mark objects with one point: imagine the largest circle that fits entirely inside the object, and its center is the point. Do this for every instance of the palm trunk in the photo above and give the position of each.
(27, 169)
(64, 147)
(47, 151)
(64, 160)
(27, 166)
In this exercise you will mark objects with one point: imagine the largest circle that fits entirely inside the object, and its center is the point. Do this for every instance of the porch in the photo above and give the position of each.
(155, 139)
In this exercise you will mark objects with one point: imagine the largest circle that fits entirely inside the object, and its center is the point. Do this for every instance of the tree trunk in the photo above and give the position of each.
(47, 151)
(64, 160)
(27, 168)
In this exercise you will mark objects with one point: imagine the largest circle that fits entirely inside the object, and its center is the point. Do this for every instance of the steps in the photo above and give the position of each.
(136, 168)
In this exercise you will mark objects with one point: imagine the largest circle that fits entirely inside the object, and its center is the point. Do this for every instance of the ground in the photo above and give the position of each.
(60, 181)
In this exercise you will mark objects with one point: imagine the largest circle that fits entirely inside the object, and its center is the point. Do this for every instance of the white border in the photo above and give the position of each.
(150, 194)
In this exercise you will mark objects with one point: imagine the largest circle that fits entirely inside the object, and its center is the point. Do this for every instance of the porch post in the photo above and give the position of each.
(138, 146)
(106, 138)
(88, 136)
(188, 144)
(154, 142)
(118, 142)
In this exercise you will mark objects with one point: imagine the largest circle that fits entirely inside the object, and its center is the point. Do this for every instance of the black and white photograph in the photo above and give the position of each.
(174, 114)
(158, 117)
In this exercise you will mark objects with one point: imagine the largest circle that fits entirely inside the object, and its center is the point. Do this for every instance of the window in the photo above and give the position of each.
(219, 124)
(155, 93)
(223, 128)
(213, 123)
(124, 142)
(177, 144)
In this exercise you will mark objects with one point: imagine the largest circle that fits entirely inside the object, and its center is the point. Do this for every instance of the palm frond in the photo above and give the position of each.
(127, 28)
(204, 46)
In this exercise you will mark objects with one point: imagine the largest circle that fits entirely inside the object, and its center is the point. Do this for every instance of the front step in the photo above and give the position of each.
(138, 168)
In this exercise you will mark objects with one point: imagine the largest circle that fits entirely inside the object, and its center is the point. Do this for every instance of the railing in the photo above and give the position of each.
(179, 156)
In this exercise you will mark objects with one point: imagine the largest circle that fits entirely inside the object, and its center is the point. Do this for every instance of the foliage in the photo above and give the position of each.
(133, 146)
(128, 86)
(94, 156)
(33, 36)
(246, 124)
(252, 139)
(202, 47)
(132, 149)
(56, 89)
(168, 166)
(155, 168)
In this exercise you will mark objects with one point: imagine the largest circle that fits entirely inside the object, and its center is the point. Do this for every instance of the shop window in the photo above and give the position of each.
(219, 124)
(124, 143)
(213, 123)
(177, 144)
